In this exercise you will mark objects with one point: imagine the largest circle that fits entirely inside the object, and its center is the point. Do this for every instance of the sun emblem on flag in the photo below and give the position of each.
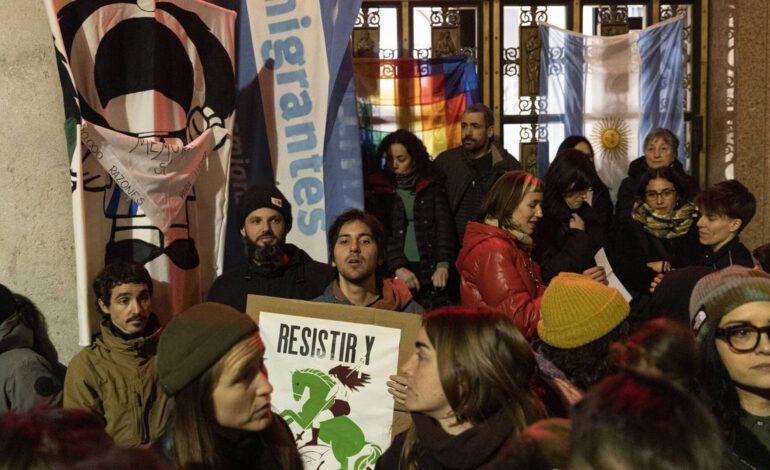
(610, 137)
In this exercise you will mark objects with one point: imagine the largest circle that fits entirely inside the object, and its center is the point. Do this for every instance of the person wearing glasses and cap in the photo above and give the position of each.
(730, 315)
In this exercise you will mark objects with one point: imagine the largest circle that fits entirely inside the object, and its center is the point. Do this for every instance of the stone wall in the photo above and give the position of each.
(36, 241)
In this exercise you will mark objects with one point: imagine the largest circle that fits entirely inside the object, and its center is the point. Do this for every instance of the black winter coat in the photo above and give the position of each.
(559, 248)
(624, 203)
(434, 226)
(635, 247)
(734, 252)
(301, 278)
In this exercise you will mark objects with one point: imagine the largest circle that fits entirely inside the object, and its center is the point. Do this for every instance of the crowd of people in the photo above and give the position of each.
(527, 356)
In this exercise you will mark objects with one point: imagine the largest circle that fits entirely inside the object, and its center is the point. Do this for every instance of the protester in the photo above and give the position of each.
(581, 318)
(355, 241)
(632, 421)
(273, 267)
(409, 198)
(661, 234)
(730, 312)
(116, 376)
(30, 374)
(762, 256)
(495, 262)
(211, 361)
(458, 350)
(599, 196)
(660, 151)
(472, 168)
(571, 231)
(725, 210)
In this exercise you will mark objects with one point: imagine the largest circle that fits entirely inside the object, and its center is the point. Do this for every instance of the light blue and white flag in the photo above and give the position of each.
(297, 121)
(613, 90)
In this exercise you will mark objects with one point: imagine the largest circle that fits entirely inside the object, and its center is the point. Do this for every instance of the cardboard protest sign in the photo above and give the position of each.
(328, 365)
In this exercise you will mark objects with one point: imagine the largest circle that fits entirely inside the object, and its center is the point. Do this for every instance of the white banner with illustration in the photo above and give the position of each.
(329, 385)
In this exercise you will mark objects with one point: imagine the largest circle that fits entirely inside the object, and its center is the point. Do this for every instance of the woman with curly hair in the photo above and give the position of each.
(409, 198)
(661, 234)
(468, 388)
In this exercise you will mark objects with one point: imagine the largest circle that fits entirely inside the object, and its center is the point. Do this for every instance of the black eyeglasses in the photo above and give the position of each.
(743, 338)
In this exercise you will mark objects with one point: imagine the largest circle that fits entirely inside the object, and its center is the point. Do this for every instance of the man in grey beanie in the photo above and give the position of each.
(273, 267)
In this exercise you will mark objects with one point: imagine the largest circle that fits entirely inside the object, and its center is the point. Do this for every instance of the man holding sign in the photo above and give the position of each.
(355, 239)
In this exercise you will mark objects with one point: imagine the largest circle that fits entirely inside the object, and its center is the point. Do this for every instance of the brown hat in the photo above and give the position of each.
(195, 340)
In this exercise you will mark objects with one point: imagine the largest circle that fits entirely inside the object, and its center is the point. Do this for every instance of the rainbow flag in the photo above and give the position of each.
(425, 96)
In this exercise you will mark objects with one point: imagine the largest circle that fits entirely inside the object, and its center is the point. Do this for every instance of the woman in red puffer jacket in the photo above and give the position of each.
(494, 263)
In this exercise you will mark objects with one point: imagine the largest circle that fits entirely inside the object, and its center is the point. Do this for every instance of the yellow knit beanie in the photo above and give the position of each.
(576, 310)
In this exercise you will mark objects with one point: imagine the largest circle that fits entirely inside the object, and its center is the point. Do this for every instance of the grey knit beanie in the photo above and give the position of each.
(195, 340)
(718, 294)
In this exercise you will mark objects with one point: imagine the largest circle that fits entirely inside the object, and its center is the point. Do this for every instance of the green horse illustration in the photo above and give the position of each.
(342, 434)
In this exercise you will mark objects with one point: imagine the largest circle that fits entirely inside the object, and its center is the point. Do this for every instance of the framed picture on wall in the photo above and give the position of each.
(366, 42)
(445, 41)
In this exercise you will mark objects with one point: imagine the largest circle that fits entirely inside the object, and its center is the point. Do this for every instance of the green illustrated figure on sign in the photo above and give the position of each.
(326, 414)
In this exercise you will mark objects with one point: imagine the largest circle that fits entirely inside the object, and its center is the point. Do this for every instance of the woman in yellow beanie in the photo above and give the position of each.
(495, 262)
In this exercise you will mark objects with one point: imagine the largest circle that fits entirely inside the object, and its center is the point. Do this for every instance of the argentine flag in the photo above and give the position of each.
(613, 90)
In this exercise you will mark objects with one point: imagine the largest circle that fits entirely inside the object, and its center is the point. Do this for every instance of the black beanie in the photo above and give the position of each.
(263, 195)
(195, 340)
(7, 303)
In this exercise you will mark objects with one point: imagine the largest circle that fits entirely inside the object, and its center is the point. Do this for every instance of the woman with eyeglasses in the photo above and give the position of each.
(661, 234)
(730, 314)
(571, 231)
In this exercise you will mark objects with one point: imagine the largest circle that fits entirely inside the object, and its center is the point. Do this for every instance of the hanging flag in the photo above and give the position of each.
(296, 116)
(425, 96)
(148, 90)
(614, 90)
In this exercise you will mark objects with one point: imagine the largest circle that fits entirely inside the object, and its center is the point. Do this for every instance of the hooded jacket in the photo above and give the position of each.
(301, 278)
(497, 272)
(118, 379)
(27, 378)
(395, 296)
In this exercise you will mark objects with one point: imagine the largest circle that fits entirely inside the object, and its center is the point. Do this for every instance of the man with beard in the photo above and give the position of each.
(355, 239)
(117, 377)
(274, 267)
(472, 168)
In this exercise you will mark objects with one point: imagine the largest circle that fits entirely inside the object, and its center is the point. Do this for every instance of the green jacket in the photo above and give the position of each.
(118, 379)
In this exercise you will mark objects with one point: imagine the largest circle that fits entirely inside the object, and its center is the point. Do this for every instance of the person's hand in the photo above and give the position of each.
(409, 278)
(597, 273)
(397, 387)
(656, 266)
(439, 278)
(655, 282)
(576, 222)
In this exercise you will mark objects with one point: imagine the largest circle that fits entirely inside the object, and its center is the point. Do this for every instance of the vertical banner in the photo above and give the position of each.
(329, 385)
(425, 96)
(613, 90)
(149, 95)
(293, 66)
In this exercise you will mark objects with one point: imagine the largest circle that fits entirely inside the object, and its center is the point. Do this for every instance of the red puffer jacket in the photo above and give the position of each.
(497, 272)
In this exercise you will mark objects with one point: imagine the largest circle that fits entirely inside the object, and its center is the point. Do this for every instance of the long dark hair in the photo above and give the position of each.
(572, 170)
(571, 141)
(413, 145)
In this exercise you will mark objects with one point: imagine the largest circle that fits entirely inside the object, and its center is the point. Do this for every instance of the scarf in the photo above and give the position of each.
(666, 226)
(407, 181)
(520, 236)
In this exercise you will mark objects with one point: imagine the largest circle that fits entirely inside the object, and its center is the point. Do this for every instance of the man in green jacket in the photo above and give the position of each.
(116, 376)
